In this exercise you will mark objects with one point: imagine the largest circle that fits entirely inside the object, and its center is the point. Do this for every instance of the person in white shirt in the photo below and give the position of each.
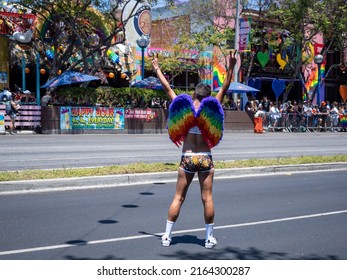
(274, 114)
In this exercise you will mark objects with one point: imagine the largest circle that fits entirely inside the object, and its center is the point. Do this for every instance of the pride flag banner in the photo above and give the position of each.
(343, 121)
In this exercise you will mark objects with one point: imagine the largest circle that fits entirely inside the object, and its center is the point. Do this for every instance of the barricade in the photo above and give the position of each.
(275, 122)
(258, 125)
(297, 122)
(29, 117)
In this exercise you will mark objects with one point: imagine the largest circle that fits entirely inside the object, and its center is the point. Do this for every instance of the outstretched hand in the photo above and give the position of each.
(232, 59)
(155, 63)
(228, 78)
(166, 86)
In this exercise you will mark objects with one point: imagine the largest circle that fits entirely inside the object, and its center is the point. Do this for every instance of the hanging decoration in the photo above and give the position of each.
(278, 87)
(263, 58)
(113, 56)
(50, 53)
(282, 62)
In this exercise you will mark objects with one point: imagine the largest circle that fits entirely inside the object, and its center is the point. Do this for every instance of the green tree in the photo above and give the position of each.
(75, 34)
(305, 19)
(300, 21)
(199, 32)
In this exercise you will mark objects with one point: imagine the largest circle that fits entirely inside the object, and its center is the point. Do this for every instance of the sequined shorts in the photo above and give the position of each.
(196, 162)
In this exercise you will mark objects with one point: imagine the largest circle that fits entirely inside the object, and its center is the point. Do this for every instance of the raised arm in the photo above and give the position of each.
(223, 90)
(166, 86)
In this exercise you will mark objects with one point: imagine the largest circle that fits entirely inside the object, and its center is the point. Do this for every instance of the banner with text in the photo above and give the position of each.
(2, 123)
(143, 114)
(244, 37)
(91, 118)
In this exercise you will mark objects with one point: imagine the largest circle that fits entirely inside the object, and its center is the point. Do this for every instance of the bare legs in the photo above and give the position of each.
(12, 126)
(183, 181)
(206, 184)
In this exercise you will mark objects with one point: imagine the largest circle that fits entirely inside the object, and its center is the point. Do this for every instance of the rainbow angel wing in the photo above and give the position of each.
(181, 118)
(210, 120)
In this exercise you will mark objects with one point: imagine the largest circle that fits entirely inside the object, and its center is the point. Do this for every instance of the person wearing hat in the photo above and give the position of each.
(5, 95)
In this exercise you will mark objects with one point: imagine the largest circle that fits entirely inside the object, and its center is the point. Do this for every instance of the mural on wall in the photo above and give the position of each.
(311, 72)
(139, 24)
(202, 59)
(206, 72)
(219, 71)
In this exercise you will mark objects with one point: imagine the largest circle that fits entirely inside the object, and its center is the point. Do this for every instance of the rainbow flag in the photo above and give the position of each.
(343, 121)
(313, 81)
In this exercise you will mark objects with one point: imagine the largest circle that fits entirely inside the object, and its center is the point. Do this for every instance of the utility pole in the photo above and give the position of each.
(236, 46)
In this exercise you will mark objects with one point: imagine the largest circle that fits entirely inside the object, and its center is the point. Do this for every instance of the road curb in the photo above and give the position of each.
(154, 178)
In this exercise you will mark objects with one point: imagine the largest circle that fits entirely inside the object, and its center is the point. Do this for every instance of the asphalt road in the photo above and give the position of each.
(65, 151)
(291, 216)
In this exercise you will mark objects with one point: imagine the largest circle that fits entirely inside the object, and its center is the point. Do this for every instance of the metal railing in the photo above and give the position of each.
(298, 122)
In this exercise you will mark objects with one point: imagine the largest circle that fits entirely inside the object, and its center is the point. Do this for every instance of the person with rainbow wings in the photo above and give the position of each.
(196, 123)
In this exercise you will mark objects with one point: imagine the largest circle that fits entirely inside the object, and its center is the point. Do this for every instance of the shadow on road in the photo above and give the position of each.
(234, 253)
(226, 253)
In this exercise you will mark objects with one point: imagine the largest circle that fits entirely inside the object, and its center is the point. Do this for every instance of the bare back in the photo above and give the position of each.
(194, 142)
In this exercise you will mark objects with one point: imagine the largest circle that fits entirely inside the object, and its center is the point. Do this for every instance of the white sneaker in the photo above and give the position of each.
(165, 241)
(211, 243)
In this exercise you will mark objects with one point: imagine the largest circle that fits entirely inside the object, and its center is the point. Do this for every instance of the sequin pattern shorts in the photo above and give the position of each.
(196, 162)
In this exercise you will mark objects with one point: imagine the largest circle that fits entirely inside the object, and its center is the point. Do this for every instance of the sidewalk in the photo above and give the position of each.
(108, 181)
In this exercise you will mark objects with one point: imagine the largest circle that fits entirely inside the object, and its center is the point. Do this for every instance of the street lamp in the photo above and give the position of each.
(143, 43)
(318, 59)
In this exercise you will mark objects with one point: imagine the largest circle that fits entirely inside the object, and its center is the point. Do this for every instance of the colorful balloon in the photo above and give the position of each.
(93, 39)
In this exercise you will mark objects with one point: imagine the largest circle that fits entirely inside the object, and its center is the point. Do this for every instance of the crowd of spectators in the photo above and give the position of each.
(24, 97)
(295, 115)
(290, 115)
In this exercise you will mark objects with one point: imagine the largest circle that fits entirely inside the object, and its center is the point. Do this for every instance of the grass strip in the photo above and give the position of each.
(141, 167)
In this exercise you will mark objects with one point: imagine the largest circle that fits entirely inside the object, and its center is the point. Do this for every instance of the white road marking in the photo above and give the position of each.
(61, 246)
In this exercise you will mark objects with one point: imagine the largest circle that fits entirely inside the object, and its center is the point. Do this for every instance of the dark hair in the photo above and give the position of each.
(202, 90)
